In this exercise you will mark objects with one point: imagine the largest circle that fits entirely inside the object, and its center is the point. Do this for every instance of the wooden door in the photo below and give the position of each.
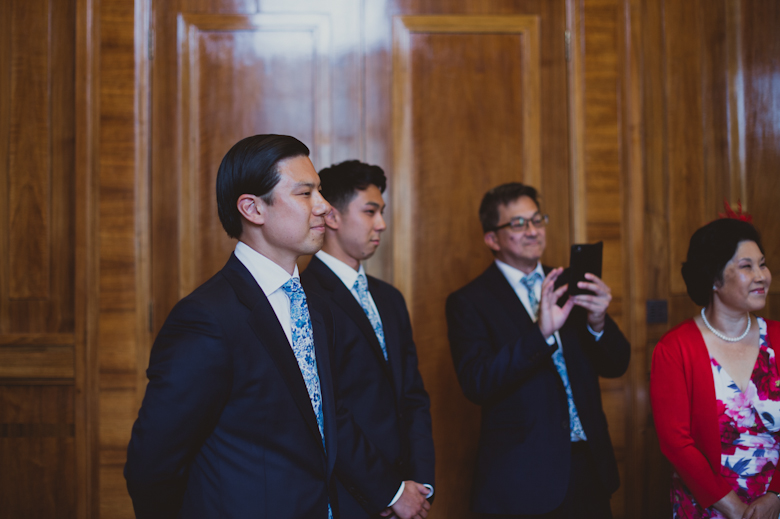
(449, 100)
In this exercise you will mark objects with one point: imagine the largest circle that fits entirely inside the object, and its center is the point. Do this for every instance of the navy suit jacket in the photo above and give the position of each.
(386, 399)
(504, 365)
(226, 428)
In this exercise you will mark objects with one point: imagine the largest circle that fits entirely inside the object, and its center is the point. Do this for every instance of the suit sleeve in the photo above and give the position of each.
(188, 386)
(487, 371)
(611, 353)
(416, 414)
(671, 402)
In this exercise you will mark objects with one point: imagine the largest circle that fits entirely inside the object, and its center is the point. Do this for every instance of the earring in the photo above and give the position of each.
(714, 287)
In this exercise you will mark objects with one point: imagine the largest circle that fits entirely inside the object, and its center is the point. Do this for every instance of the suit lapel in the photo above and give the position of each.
(341, 295)
(269, 332)
(391, 326)
(507, 298)
(326, 383)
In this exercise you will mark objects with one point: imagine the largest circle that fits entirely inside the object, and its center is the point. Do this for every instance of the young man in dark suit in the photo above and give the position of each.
(239, 418)
(533, 366)
(375, 362)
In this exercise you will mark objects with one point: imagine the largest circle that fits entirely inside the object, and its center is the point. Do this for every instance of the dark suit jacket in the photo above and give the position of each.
(504, 364)
(387, 399)
(226, 428)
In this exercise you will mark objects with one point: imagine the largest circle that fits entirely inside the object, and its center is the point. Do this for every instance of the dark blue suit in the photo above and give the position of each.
(226, 428)
(386, 399)
(504, 365)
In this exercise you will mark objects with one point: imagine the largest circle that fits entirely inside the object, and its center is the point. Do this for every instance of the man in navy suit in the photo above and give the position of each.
(533, 367)
(239, 418)
(375, 362)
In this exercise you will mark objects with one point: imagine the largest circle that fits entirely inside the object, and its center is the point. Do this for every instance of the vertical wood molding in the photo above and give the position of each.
(143, 93)
(633, 227)
(576, 85)
(528, 26)
(87, 257)
(736, 100)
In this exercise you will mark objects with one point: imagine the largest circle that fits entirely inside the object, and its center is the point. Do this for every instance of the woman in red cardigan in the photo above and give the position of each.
(715, 385)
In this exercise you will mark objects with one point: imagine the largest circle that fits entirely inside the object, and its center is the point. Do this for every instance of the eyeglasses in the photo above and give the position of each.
(518, 223)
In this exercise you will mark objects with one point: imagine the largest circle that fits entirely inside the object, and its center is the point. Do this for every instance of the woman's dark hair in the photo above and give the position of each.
(250, 167)
(341, 182)
(711, 247)
(504, 194)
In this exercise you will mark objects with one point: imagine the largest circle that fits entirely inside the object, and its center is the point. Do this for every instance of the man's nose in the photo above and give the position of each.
(381, 225)
(321, 206)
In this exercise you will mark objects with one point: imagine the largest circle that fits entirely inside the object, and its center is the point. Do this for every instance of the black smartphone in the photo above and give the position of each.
(585, 257)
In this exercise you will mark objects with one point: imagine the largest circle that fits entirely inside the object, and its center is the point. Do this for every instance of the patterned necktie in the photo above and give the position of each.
(303, 346)
(529, 282)
(575, 426)
(361, 287)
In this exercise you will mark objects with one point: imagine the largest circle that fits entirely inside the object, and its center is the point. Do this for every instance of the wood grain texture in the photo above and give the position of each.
(37, 449)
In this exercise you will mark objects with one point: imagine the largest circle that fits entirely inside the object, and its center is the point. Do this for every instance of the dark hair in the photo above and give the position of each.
(711, 247)
(502, 195)
(340, 182)
(250, 167)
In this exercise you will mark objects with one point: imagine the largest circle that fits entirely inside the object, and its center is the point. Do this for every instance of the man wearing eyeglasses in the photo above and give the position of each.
(534, 366)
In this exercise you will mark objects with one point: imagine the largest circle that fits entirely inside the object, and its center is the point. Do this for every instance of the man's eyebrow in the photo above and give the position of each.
(311, 185)
(374, 204)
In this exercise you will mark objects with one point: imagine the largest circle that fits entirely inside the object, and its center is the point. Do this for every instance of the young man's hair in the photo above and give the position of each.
(341, 182)
(504, 194)
(251, 167)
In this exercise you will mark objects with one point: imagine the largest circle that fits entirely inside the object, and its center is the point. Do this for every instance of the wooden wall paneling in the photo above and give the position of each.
(760, 45)
(226, 61)
(29, 154)
(6, 50)
(37, 449)
(602, 155)
(460, 125)
(575, 36)
(86, 284)
(634, 252)
(122, 233)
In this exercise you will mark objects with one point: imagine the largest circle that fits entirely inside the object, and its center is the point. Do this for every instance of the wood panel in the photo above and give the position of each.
(467, 111)
(38, 451)
(239, 58)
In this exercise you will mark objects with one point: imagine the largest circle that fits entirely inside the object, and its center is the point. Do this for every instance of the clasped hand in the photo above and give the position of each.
(552, 316)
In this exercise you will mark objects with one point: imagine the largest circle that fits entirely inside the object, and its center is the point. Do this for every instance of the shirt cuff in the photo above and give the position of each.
(597, 335)
(430, 488)
(398, 494)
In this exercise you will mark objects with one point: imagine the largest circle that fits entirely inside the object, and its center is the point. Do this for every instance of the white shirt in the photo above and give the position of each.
(270, 277)
(348, 276)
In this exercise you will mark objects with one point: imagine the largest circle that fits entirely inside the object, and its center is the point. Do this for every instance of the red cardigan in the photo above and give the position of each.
(682, 394)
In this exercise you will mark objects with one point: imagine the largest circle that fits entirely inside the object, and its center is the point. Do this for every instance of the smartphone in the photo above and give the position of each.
(585, 258)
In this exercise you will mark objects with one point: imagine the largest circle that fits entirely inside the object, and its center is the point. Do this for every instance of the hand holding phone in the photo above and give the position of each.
(585, 258)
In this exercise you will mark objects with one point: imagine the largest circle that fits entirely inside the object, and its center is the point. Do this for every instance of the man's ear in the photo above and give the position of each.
(491, 240)
(333, 219)
(252, 208)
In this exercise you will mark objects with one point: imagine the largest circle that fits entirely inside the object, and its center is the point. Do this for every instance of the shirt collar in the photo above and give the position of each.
(268, 274)
(345, 273)
(514, 275)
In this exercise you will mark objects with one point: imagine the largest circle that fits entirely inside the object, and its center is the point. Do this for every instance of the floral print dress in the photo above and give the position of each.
(748, 424)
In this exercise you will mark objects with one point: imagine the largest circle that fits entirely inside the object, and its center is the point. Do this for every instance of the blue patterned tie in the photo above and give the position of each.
(303, 346)
(577, 433)
(361, 287)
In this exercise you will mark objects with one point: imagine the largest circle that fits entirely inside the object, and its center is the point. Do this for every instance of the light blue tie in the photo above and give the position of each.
(361, 287)
(303, 346)
(575, 426)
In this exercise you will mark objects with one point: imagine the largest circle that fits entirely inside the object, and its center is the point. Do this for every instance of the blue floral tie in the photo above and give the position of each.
(575, 426)
(303, 346)
(361, 287)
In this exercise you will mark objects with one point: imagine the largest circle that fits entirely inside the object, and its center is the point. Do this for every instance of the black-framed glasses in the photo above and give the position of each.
(518, 223)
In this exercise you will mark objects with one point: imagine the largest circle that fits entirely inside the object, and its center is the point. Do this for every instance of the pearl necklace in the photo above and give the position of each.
(720, 335)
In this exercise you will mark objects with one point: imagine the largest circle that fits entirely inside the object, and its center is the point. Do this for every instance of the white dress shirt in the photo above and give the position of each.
(270, 277)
